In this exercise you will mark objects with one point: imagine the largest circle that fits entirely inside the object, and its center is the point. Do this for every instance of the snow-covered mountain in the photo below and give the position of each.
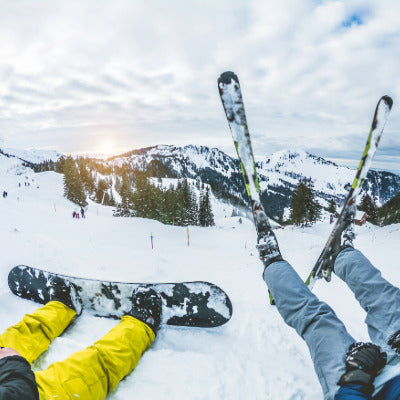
(279, 173)
(34, 156)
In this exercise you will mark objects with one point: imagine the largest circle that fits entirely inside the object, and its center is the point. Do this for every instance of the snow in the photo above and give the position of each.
(254, 356)
(34, 155)
(288, 165)
(194, 157)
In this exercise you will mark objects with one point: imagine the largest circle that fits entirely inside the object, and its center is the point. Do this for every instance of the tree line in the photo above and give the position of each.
(304, 207)
(179, 205)
(140, 197)
(176, 205)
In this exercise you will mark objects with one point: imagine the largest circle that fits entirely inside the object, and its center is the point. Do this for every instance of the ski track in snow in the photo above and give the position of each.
(254, 356)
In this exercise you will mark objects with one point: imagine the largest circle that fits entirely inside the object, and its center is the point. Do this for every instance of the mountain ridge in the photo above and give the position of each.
(279, 173)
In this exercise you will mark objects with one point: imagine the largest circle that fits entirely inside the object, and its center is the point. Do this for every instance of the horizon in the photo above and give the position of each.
(352, 164)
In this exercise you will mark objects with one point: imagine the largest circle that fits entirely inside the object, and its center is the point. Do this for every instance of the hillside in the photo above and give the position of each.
(278, 174)
(255, 356)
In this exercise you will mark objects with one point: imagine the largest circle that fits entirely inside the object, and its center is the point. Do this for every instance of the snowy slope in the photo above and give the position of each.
(279, 173)
(291, 165)
(254, 356)
(188, 159)
(34, 155)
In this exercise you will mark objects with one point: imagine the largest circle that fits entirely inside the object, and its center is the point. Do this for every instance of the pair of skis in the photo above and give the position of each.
(231, 97)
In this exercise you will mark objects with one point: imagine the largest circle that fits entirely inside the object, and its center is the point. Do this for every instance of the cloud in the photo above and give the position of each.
(145, 72)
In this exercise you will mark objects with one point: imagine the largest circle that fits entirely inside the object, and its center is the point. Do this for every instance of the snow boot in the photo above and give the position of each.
(147, 306)
(65, 292)
(343, 238)
(267, 244)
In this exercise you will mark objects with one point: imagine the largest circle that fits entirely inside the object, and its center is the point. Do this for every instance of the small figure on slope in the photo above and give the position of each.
(347, 370)
(89, 374)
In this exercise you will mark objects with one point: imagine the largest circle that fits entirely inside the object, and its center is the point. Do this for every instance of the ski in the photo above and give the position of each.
(344, 223)
(232, 101)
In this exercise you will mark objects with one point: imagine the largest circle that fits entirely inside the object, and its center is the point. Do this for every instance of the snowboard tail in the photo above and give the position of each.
(191, 304)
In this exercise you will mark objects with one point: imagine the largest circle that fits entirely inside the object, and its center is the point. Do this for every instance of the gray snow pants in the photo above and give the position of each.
(325, 335)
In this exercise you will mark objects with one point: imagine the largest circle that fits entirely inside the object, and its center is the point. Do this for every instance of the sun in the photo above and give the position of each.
(106, 146)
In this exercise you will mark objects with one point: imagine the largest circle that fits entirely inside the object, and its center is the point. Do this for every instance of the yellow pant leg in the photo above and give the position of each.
(32, 336)
(94, 372)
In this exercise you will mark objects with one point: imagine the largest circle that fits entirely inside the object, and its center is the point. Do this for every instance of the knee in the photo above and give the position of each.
(348, 257)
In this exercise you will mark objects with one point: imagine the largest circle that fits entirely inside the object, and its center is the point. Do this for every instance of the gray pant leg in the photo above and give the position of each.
(379, 298)
(325, 335)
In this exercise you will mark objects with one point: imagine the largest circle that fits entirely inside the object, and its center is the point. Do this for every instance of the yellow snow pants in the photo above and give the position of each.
(89, 374)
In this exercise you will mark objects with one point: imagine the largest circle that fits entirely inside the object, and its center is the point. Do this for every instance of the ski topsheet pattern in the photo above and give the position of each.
(232, 101)
(345, 220)
(191, 304)
(231, 97)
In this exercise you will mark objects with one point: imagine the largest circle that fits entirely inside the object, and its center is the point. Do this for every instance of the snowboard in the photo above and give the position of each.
(191, 304)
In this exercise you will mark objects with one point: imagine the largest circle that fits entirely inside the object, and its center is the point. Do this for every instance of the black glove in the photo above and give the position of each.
(364, 361)
(394, 341)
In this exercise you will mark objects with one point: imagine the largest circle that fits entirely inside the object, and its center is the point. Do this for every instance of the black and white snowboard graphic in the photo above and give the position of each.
(191, 304)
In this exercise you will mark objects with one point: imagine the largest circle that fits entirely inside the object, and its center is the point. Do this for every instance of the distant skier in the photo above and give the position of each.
(82, 212)
(89, 374)
(346, 369)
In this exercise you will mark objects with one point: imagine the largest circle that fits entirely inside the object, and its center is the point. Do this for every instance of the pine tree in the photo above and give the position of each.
(303, 205)
(101, 191)
(126, 207)
(298, 210)
(389, 213)
(170, 206)
(189, 207)
(369, 206)
(313, 207)
(86, 176)
(332, 206)
(147, 199)
(206, 216)
(73, 187)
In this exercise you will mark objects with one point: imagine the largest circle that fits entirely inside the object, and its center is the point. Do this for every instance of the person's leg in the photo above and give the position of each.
(33, 335)
(325, 335)
(94, 372)
(379, 298)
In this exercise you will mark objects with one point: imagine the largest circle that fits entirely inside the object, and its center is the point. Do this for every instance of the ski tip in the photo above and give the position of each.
(227, 76)
(388, 100)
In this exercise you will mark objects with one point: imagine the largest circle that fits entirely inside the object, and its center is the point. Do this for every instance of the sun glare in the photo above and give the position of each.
(106, 146)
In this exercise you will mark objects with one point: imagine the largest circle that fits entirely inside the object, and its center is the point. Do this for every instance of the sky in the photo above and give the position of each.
(110, 76)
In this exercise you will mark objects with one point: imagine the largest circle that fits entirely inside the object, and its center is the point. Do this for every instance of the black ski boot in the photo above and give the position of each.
(343, 237)
(147, 305)
(65, 292)
(267, 245)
